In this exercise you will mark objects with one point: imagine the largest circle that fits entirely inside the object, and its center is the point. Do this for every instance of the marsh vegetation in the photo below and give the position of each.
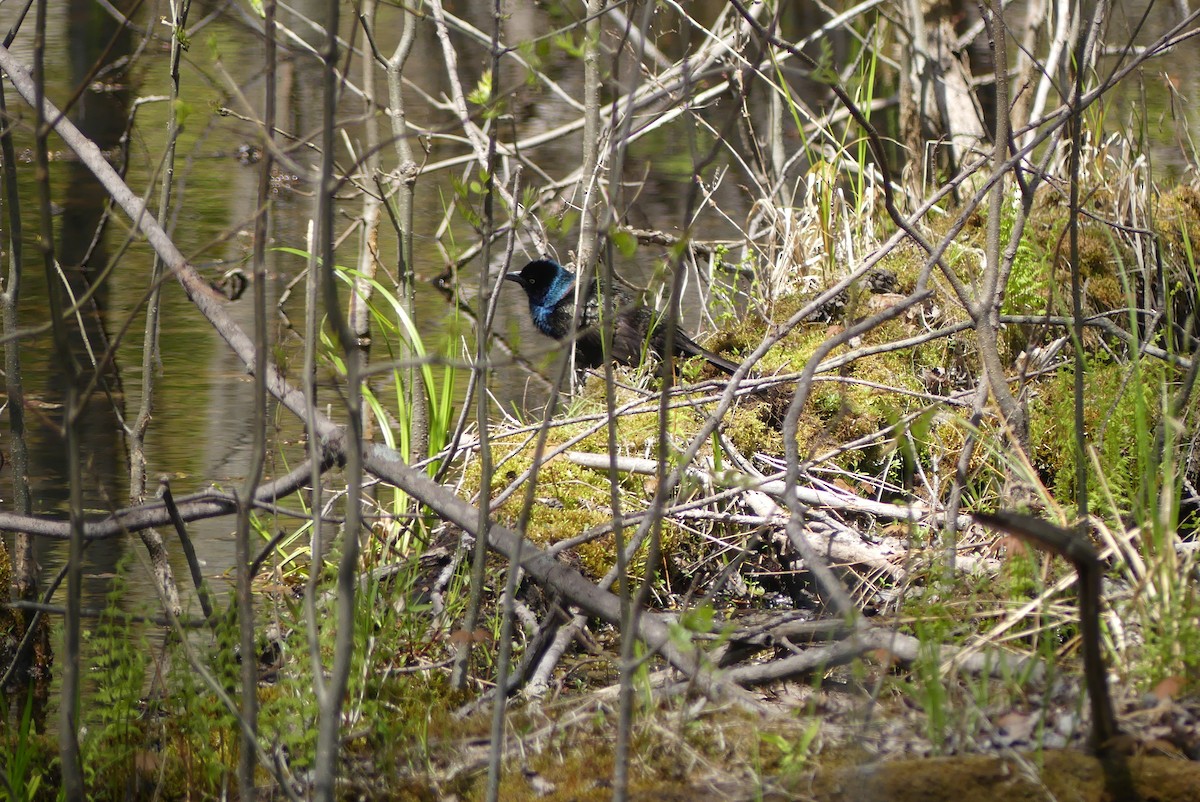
(400, 547)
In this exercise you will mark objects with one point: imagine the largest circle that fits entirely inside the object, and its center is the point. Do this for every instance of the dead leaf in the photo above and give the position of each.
(460, 636)
(1168, 688)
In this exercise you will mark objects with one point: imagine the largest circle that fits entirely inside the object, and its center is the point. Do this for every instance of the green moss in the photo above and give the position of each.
(572, 499)
(1177, 215)
(754, 428)
(1058, 774)
(5, 567)
(9, 630)
(1120, 409)
(673, 763)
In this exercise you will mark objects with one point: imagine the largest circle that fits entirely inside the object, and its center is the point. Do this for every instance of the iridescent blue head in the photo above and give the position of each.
(548, 284)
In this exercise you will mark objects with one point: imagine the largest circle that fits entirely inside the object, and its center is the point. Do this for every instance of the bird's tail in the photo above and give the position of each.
(689, 347)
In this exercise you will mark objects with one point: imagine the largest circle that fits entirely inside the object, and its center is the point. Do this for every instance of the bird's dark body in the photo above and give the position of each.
(550, 288)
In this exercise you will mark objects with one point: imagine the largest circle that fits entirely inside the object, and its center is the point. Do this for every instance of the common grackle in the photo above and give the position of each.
(551, 291)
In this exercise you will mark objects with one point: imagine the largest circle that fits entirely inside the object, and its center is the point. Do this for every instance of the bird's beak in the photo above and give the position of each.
(517, 277)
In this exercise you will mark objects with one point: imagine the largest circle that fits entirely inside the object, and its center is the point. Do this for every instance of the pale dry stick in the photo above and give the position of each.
(189, 551)
(258, 455)
(367, 165)
(986, 311)
(601, 530)
(150, 347)
(539, 680)
(471, 32)
(641, 42)
(73, 784)
(731, 480)
(590, 167)
(309, 413)
(865, 639)
(643, 98)
(513, 569)
(403, 217)
(1049, 73)
(943, 85)
(211, 503)
(479, 143)
(75, 308)
(330, 694)
(629, 604)
(915, 512)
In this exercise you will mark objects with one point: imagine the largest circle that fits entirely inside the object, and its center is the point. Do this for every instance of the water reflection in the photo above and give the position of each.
(83, 256)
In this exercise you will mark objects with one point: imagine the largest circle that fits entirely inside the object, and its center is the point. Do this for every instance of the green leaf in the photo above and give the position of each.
(777, 741)
(624, 241)
(567, 44)
(182, 111)
(825, 72)
(698, 619)
(482, 91)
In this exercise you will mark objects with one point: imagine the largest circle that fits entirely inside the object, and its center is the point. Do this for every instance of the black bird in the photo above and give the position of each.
(551, 291)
